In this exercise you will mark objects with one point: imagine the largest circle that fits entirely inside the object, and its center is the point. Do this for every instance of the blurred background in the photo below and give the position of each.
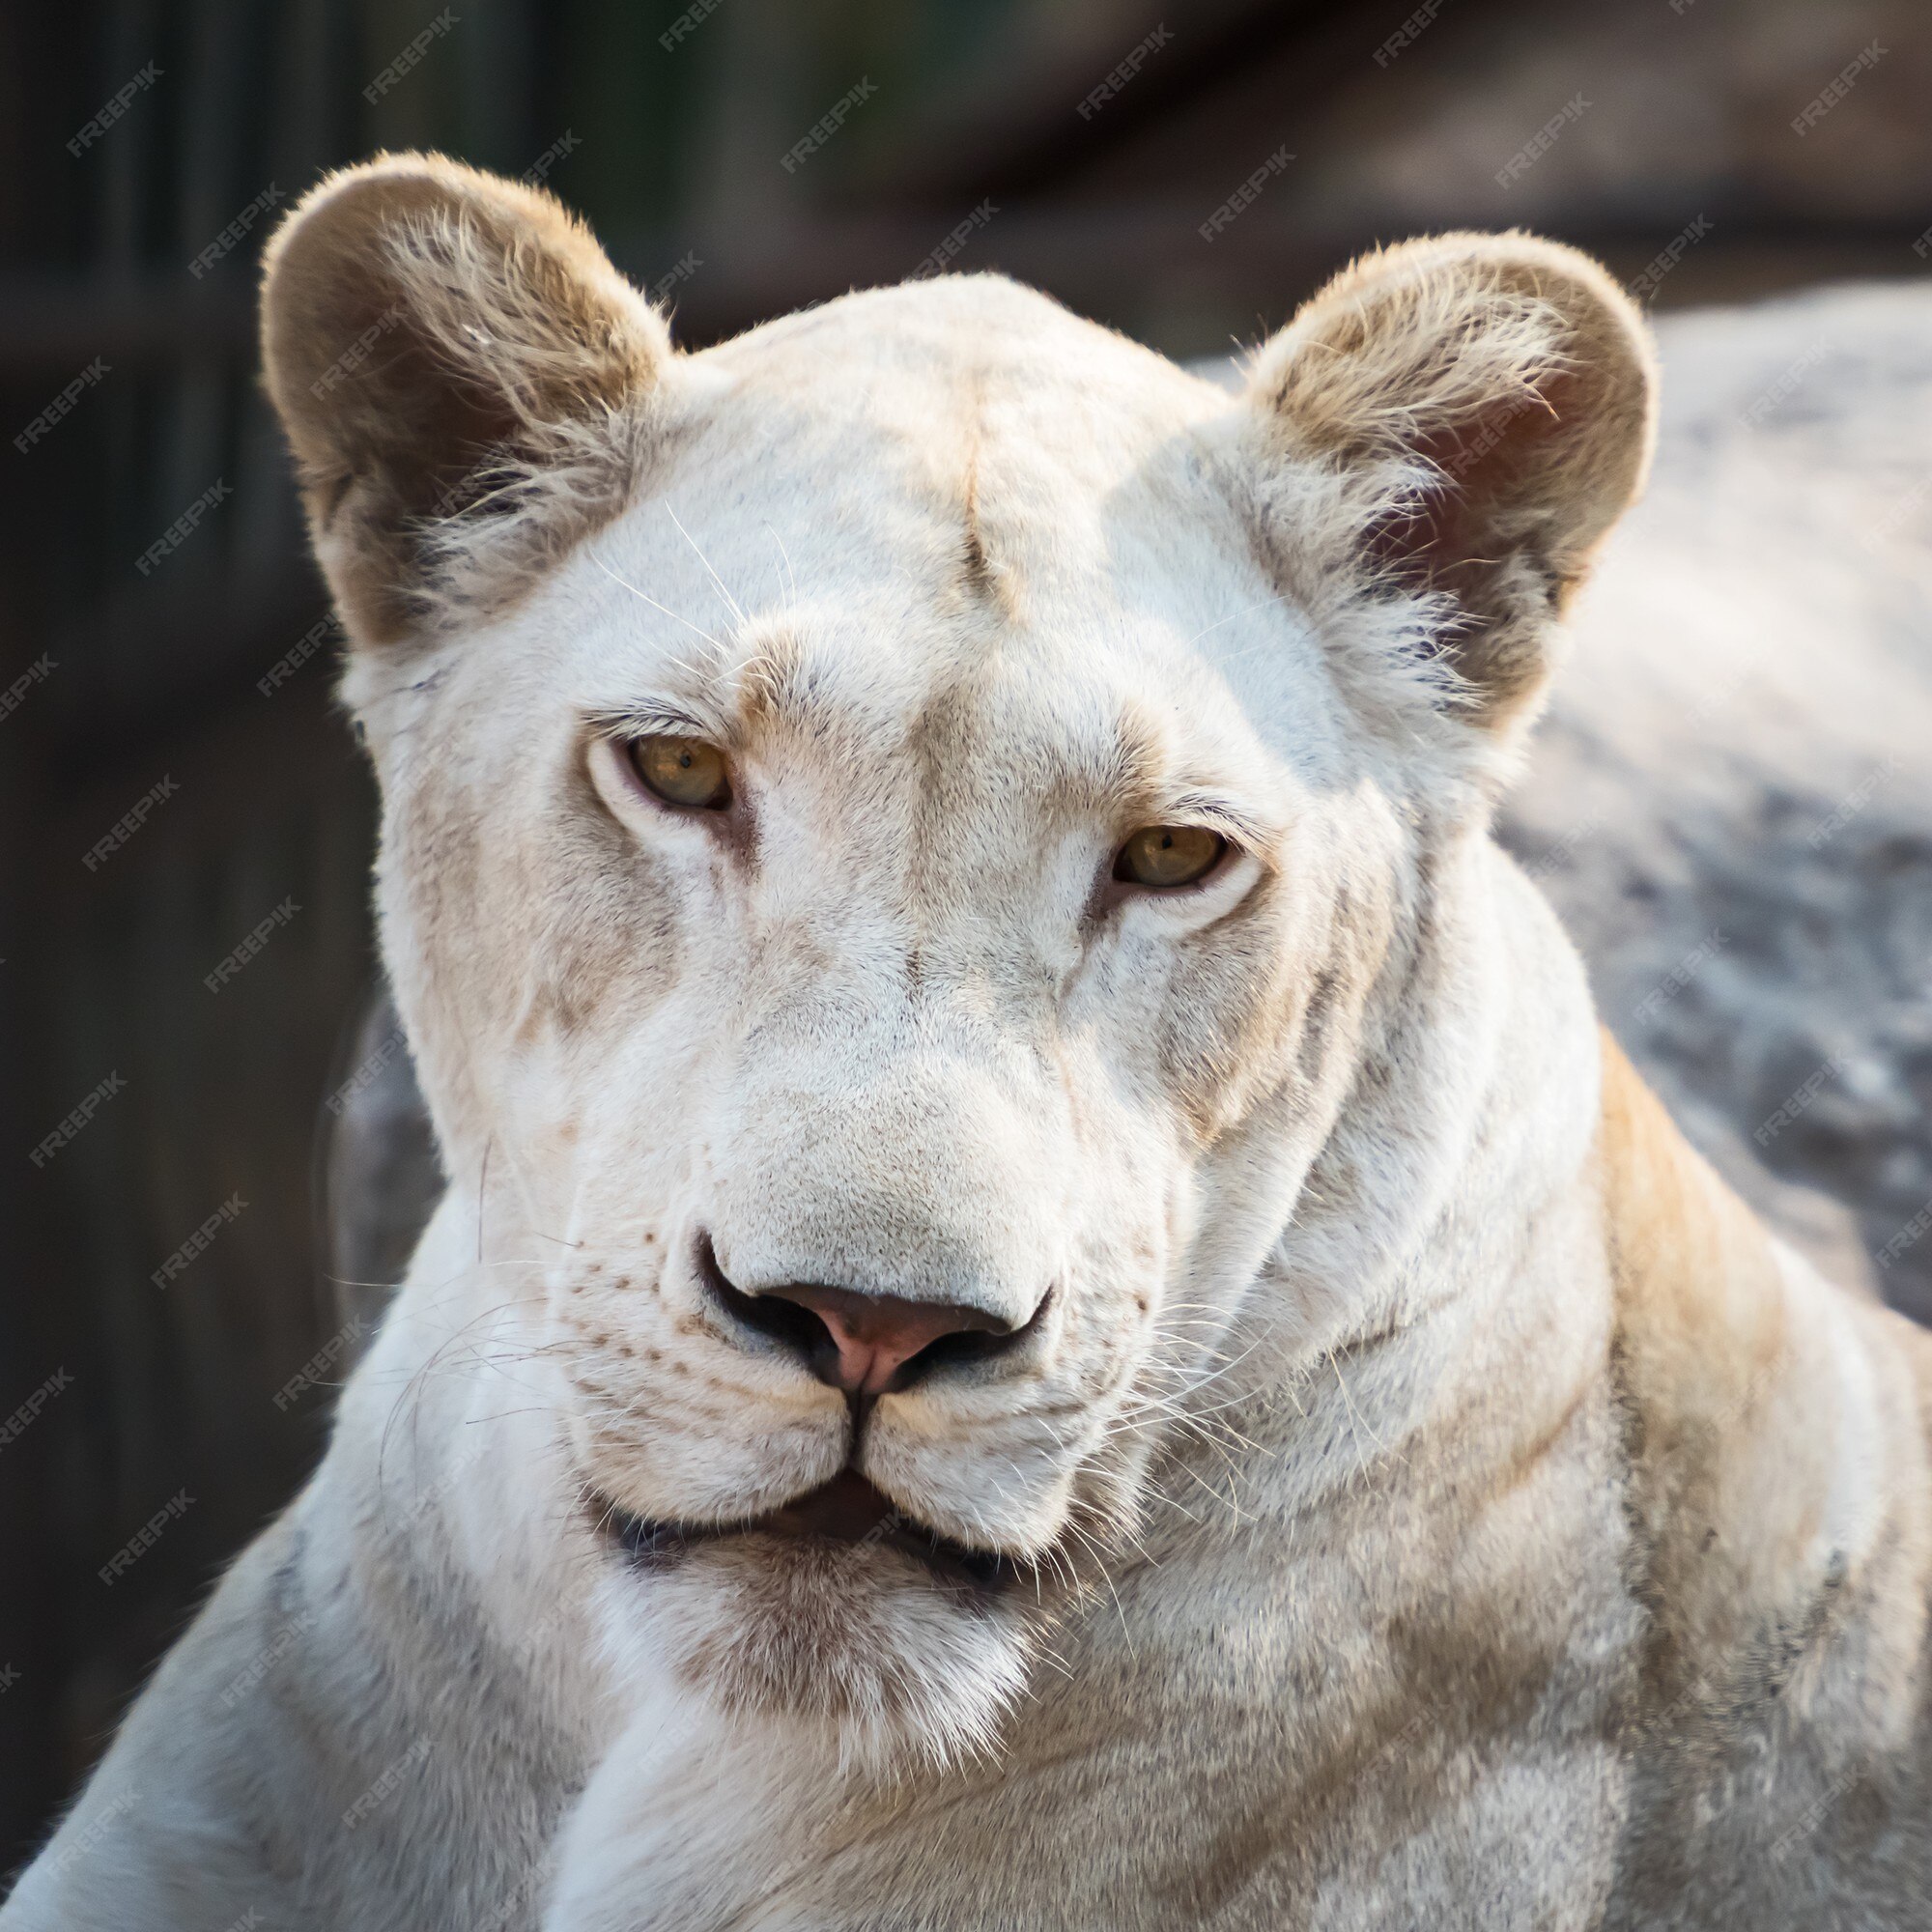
(179, 791)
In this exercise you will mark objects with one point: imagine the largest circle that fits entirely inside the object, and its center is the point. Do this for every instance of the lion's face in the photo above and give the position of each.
(898, 896)
(875, 1000)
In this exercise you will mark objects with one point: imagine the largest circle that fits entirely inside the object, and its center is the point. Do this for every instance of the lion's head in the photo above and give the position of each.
(903, 835)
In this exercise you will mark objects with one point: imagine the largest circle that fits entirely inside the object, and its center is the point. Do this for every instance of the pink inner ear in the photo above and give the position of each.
(1490, 472)
(1491, 508)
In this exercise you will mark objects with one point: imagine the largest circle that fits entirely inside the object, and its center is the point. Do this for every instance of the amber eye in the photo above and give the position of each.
(683, 771)
(1164, 856)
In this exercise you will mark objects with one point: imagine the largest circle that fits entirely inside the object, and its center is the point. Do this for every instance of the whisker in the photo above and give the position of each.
(790, 582)
(731, 602)
(1248, 611)
(716, 643)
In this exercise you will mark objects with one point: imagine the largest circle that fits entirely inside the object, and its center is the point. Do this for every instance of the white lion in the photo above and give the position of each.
(1051, 1310)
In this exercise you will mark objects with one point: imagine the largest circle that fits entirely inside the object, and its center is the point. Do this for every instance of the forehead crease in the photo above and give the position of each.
(981, 431)
(956, 479)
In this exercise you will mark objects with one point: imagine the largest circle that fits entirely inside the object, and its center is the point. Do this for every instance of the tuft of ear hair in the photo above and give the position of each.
(463, 377)
(1475, 411)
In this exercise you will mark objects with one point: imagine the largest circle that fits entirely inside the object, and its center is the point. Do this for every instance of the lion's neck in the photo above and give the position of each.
(1506, 1243)
(1759, 1399)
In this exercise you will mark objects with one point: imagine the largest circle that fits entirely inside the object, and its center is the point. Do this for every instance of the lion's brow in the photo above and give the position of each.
(773, 679)
(766, 681)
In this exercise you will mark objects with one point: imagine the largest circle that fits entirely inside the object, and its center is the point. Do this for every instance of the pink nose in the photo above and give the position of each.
(873, 1337)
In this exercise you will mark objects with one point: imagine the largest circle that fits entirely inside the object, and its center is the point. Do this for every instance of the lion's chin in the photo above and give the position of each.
(840, 1614)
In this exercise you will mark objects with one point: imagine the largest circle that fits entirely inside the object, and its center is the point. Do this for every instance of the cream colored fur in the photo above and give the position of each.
(1437, 1503)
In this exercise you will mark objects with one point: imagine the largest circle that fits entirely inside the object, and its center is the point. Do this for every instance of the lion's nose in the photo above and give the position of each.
(878, 1343)
(865, 1344)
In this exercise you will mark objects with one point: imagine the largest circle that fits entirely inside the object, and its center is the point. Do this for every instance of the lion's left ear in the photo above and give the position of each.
(1478, 410)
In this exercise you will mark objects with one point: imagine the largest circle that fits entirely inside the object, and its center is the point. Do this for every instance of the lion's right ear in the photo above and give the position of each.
(463, 379)
(1460, 421)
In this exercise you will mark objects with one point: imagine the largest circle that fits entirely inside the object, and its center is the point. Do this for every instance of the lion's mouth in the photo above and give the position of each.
(848, 1512)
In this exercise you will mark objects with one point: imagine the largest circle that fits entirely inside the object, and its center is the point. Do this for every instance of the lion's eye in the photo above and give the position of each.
(1165, 856)
(683, 771)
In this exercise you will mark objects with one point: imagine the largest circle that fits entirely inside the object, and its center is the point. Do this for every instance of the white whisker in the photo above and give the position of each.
(716, 643)
(731, 602)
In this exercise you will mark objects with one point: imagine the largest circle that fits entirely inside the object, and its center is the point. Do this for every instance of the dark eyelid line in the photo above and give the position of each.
(656, 718)
(1216, 814)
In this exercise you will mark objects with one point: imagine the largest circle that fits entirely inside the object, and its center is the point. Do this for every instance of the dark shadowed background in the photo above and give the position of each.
(186, 950)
